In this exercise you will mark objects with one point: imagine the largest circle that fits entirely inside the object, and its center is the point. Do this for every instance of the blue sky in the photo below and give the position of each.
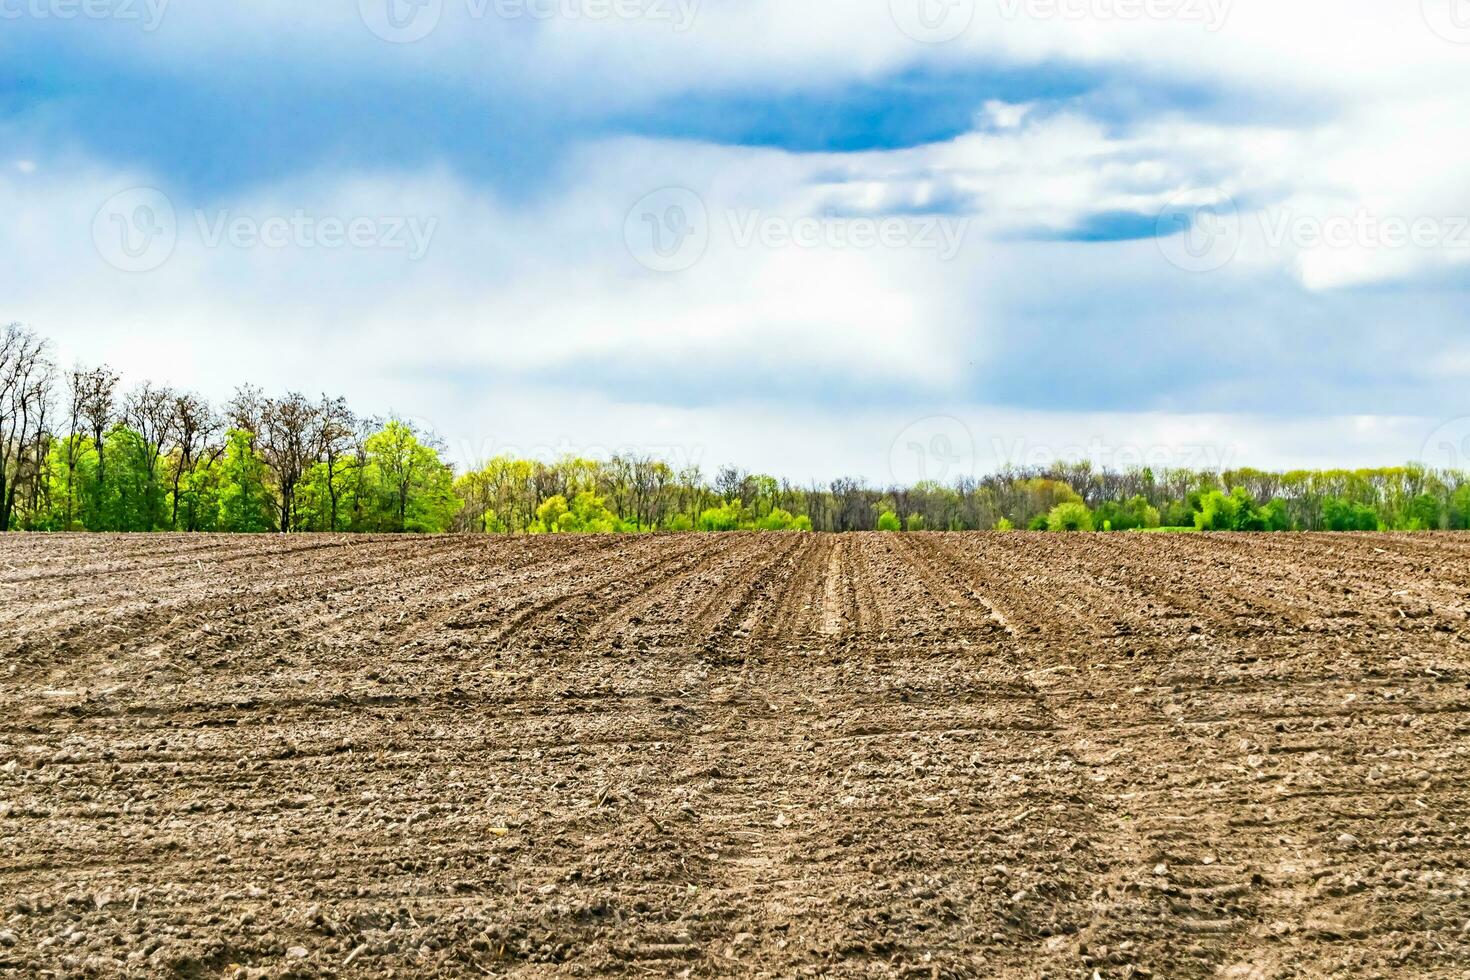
(784, 235)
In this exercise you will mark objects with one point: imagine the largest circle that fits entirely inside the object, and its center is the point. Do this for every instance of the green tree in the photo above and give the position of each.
(777, 520)
(131, 497)
(1072, 516)
(1460, 508)
(1277, 515)
(589, 514)
(726, 517)
(888, 521)
(412, 489)
(1235, 511)
(1136, 512)
(73, 476)
(1423, 513)
(245, 503)
(1344, 515)
(549, 515)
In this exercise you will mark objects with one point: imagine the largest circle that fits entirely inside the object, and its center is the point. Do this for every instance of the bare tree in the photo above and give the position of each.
(193, 424)
(77, 385)
(149, 411)
(728, 482)
(26, 375)
(97, 397)
(289, 440)
(246, 411)
(336, 427)
(364, 431)
(648, 485)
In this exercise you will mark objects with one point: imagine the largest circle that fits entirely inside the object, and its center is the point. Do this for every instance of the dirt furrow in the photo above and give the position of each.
(779, 755)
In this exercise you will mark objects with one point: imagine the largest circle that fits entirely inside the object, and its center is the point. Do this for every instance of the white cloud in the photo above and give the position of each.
(519, 291)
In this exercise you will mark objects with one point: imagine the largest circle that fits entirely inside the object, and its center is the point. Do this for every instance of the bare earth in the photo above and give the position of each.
(918, 755)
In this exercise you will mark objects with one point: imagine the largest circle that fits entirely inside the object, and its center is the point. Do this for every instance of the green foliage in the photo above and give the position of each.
(406, 486)
(1344, 515)
(586, 514)
(1128, 515)
(1237, 511)
(1072, 516)
(72, 487)
(1424, 513)
(1276, 516)
(776, 520)
(1460, 508)
(154, 458)
(1178, 514)
(725, 517)
(244, 503)
(549, 515)
(1217, 512)
(314, 497)
(200, 497)
(589, 515)
(317, 467)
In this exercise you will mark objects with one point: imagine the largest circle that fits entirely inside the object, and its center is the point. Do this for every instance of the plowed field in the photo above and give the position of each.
(921, 755)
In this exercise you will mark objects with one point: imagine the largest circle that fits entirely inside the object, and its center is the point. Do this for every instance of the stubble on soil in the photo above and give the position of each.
(868, 755)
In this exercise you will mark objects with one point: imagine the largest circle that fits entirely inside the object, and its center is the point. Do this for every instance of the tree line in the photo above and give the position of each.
(632, 494)
(81, 453)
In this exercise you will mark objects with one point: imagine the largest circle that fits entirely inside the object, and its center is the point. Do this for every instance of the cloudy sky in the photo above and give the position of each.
(886, 238)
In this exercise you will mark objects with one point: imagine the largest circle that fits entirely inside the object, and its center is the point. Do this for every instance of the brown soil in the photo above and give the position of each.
(925, 755)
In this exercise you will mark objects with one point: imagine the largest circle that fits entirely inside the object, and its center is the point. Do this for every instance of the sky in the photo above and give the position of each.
(892, 239)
